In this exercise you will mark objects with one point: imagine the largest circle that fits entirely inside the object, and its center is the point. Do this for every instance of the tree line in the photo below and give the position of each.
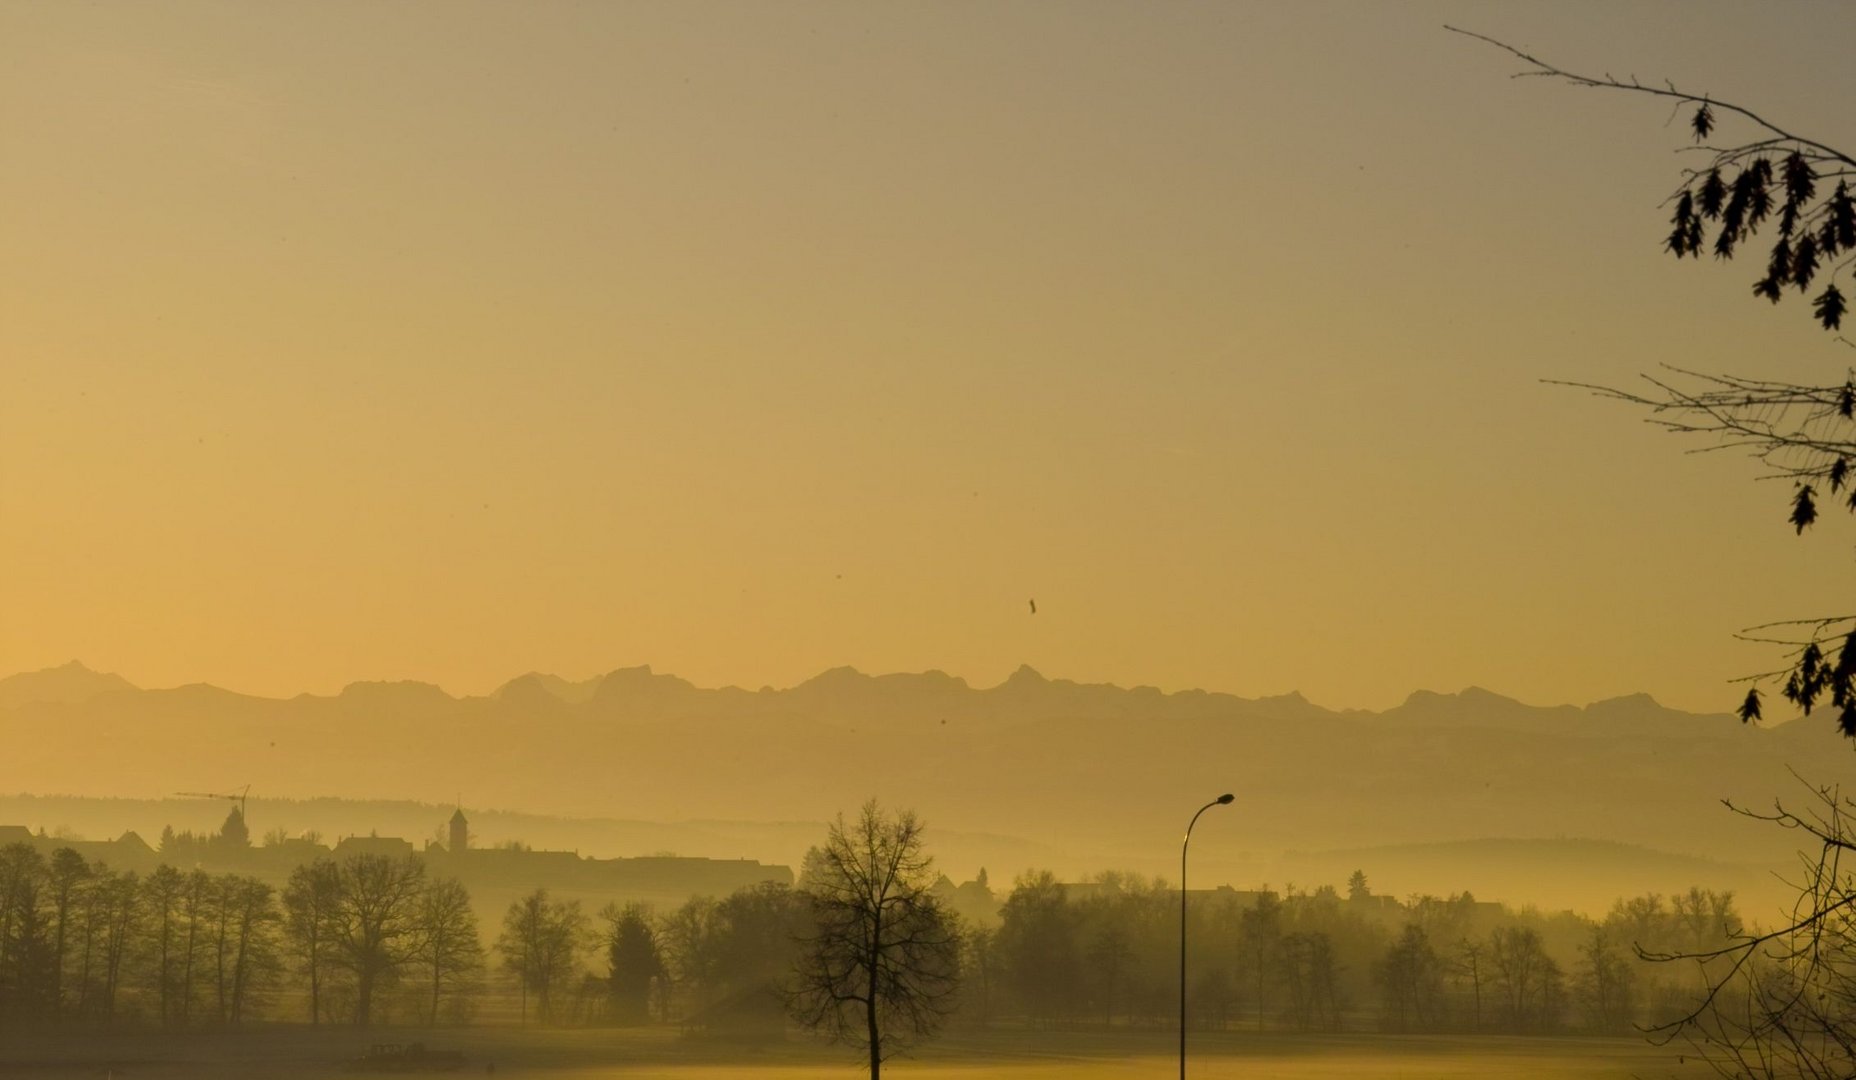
(1105, 953)
(83, 945)
(1322, 960)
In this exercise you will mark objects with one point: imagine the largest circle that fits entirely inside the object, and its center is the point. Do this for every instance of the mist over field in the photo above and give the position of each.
(1556, 806)
(1091, 540)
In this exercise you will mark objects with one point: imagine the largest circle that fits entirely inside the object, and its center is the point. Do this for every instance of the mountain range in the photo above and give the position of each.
(1072, 775)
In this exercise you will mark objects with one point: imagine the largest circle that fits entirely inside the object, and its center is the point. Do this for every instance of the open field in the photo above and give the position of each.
(290, 1053)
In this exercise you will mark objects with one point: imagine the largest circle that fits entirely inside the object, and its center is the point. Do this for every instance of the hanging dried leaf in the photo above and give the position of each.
(1839, 471)
(1778, 271)
(1703, 123)
(1800, 180)
(1839, 231)
(1804, 507)
(1713, 194)
(1804, 262)
(1749, 709)
(1846, 666)
(1788, 219)
(1677, 244)
(1758, 178)
(1829, 307)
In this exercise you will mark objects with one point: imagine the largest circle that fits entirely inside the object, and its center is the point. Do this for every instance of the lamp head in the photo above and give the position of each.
(1225, 799)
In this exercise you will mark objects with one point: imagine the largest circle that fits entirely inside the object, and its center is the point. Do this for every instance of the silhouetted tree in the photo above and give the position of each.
(164, 892)
(234, 833)
(755, 943)
(1526, 980)
(1752, 173)
(1412, 977)
(119, 897)
(247, 957)
(309, 904)
(634, 964)
(979, 967)
(1603, 984)
(1471, 966)
(1260, 934)
(26, 958)
(687, 936)
(196, 916)
(1776, 1003)
(1312, 980)
(540, 946)
(1037, 943)
(374, 923)
(449, 948)
(65, 877)
(1110, 955)
(880, 966)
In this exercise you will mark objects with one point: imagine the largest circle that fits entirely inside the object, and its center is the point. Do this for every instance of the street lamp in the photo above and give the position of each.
(1221, 800)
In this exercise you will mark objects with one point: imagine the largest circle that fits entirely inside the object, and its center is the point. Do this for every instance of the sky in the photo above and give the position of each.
(452, 341)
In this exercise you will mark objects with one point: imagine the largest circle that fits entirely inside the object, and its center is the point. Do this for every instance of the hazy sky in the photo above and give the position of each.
(450, 340)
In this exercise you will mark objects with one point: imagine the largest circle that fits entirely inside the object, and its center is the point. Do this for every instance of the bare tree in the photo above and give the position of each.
(249, 956)
(67, 874)
(540, 946)
(374, 922)
(1412, 976)
(1528, 983)
(125, 915)
(25, 938)
(1782, 1002)
(164, 892)
(309, 925)
(687, 936)
(1471, 965)
(450, 950)
(1260, 930)
(880, 968)
(196, 904)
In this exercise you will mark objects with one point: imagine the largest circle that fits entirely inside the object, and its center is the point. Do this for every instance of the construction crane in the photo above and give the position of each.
(239, 798)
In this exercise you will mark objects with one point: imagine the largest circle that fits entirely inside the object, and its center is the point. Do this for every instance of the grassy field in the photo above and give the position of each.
(288, 1053)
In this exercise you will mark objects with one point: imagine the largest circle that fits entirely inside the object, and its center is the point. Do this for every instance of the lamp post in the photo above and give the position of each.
(1221, 800)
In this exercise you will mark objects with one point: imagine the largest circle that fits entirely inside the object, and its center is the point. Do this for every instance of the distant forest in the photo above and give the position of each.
(372, 939)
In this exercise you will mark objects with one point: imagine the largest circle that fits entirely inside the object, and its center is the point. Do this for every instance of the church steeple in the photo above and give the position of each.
(460, 832)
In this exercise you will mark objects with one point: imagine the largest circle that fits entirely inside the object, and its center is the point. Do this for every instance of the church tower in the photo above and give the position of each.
(460, 832)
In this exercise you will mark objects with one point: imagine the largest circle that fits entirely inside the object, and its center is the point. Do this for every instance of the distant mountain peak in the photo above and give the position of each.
(638, 681)
(529, 689)
(1027, 676)
(1293, 697)
(932, 678)
(1469, 695)
(1638, 700)
(69, 683)
(842, 675)
(396, 690)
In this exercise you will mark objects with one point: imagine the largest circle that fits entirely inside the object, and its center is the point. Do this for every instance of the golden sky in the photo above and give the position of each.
(451, 341)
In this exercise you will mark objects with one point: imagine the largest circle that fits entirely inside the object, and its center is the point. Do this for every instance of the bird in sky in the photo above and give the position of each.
(1034, 607)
